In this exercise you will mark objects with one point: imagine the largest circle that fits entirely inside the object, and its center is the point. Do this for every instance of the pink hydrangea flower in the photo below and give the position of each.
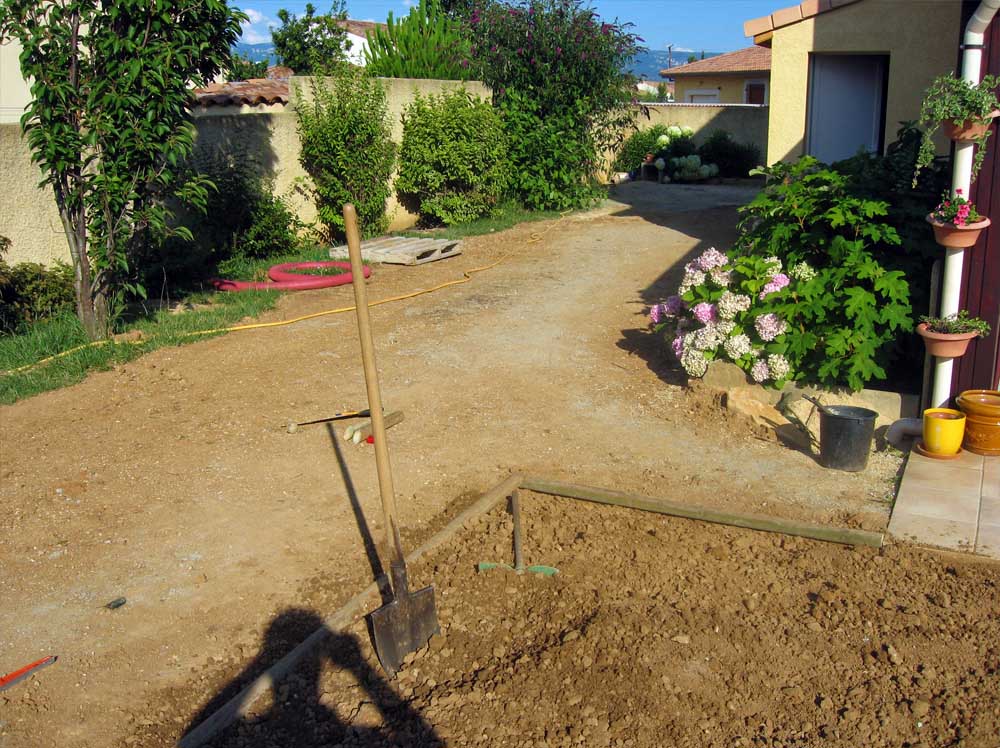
(704, 312)
(710, 258)
(654, 314)
(769, 326)
(759, 371)
(774, 285)
(677, 346)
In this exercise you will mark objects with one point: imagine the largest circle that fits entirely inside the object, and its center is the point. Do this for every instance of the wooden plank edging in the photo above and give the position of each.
(844, 535)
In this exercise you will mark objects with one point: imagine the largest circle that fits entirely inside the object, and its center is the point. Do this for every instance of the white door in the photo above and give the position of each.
(846, 105)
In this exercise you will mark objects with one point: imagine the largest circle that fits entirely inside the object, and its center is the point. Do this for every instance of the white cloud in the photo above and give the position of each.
(407, 3)
(257, 29)
(683, 49)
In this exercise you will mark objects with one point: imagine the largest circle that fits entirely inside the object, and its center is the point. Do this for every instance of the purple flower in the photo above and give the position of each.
(673, 306)
(654, 314)
(759, 371)
(677, 346)
(704, 312)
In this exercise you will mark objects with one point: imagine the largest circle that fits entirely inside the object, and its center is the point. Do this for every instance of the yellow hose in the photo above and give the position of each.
(466, 277)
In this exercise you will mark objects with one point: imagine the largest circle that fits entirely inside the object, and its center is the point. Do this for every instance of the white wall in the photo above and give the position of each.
(14, 91)
(356, 54)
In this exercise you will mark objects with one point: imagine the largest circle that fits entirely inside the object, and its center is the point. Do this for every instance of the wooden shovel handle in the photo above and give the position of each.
(382, 466)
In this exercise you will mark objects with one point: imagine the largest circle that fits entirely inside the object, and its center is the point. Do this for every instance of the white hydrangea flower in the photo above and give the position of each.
(706, 338)
(725, 326)
(802, 271)
(773, 265)
(730, 304)
(694, 362)
(737, 346)
(778, 366)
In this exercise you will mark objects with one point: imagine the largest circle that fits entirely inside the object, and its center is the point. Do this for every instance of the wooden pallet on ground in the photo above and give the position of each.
(404, 250)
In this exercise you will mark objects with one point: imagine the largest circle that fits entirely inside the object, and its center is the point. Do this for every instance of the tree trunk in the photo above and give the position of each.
(75, 227)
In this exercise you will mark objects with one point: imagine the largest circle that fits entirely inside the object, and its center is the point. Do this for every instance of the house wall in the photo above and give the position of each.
(14, 90)
(921, 39)
(265, 136)
(730, 87)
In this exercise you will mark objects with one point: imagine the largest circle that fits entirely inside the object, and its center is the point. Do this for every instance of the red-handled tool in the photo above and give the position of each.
(18, 675)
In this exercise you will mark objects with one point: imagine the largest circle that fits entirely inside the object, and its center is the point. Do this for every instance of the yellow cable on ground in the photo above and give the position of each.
(534, 238)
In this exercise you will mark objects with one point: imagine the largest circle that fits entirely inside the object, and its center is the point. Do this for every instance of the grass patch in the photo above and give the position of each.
(159, 329)
(508, 215)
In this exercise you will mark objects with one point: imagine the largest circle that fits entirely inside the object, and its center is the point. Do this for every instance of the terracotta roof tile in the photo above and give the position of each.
(360, 28)
(253, 92)
(791, 14)
(748, 60)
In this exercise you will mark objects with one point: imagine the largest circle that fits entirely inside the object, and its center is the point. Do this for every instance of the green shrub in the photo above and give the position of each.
(453, 159)
(314, 43)
(733, 159)
(635, 147)
(30, 292)
(556, 71)
(346, 149)
(427, 43)
(242, 219)
(551, 162)
(848, 307)
(243, 69)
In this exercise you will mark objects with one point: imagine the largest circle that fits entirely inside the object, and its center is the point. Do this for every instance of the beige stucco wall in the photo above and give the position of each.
(265, 135)
(921, 39)
(746, 123)
(730, 87)
(28, 215)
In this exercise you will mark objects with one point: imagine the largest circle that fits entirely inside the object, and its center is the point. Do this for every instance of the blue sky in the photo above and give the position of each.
(691, 25)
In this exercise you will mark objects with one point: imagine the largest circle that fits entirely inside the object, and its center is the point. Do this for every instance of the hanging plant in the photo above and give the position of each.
(954, 101)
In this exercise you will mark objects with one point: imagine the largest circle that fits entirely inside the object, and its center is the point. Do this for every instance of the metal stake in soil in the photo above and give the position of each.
(409, 620)
(515, 513)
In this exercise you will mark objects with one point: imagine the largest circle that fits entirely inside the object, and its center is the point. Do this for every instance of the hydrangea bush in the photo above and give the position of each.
(723, 309)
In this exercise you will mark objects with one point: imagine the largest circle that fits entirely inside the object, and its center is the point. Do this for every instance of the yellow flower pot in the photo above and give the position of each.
(944, 429)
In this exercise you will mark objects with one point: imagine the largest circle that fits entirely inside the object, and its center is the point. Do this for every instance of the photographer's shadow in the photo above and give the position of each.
(302, 714)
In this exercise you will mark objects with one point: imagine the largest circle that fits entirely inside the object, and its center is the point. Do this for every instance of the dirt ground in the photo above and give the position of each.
(173, 482)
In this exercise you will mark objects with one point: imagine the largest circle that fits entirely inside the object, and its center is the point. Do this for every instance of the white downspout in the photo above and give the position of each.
(961, 178)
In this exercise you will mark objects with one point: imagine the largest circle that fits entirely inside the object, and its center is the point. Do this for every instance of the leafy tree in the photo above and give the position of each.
(556, 72)
(314, 43)
(109, 125)
(243, 69)
(427, 43)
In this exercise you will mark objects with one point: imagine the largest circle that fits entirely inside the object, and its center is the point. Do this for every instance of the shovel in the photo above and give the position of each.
(408, 621)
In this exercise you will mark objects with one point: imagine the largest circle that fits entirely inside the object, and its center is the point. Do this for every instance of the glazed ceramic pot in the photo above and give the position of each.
(943, 344)
(968, 130)
(943, 430)
(957, 237)
(982, 425)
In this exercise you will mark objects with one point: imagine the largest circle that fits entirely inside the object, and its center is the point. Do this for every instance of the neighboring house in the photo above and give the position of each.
(845, 73)
(357, 35)
(740, 77)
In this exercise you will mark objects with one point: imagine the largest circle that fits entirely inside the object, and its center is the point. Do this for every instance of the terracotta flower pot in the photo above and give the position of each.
(950, 235)
(945, 345)
(968, 130)
(982, 426)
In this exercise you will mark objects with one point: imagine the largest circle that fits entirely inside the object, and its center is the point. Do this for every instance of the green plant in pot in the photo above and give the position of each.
(949, 336)
(964, 110)
(956, 221)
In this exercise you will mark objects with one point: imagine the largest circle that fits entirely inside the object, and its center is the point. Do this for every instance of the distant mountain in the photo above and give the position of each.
(648, 64)
(256, 52)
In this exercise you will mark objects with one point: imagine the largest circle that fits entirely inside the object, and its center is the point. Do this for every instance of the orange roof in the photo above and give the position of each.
(748, 60)
(253, 92)
(793, 14)
(360, 28)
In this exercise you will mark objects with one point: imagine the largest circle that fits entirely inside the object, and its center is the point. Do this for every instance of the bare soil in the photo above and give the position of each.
(173, 482)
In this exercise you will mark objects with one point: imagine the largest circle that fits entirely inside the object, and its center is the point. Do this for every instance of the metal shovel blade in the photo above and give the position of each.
(404, 625)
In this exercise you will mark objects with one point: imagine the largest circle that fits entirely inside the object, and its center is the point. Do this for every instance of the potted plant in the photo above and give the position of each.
(963, 109)
(956, 221)
(948, 337)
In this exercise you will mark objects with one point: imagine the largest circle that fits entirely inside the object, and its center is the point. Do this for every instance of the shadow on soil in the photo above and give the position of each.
(301, 710)
(695, 211)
